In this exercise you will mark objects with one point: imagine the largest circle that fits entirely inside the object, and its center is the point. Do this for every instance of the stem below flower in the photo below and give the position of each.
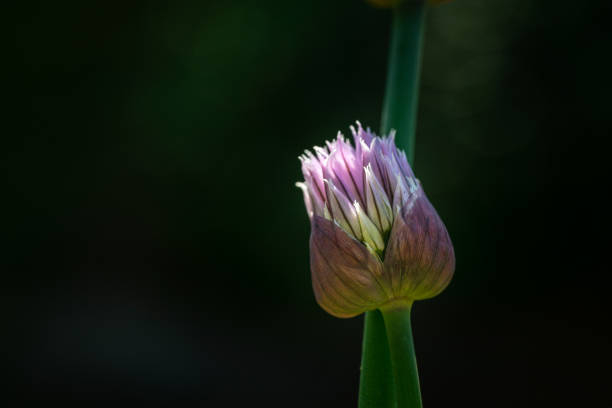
(403, 359)
(376, 390)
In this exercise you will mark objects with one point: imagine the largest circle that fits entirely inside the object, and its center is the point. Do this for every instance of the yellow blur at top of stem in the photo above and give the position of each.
(393, 3)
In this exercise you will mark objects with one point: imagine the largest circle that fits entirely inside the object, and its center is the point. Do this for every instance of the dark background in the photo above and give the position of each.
(155, 249)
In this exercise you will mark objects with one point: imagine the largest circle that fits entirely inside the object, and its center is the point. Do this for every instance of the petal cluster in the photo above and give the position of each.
(359, 188)
(375, 237)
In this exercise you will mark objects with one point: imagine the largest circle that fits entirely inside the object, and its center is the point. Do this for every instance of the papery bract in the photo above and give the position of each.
(375, 237)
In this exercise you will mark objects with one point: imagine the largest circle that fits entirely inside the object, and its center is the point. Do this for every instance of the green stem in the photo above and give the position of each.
(399, 113)
(403, 359)
(375, 388)
(402, 89)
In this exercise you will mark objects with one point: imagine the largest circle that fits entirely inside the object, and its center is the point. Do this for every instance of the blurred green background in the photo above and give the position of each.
(156, 249)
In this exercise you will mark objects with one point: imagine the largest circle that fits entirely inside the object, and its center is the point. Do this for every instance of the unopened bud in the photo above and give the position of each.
(375, 238)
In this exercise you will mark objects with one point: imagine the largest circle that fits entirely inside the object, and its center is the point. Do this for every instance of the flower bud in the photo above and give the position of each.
(375, 237)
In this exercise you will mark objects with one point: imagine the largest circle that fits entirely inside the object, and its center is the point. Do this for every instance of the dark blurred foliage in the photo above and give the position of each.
(155, 250)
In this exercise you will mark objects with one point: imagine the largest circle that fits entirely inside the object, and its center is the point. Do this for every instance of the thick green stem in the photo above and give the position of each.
(403, 359)
(402, 89)
(399, 113)
(375, 388)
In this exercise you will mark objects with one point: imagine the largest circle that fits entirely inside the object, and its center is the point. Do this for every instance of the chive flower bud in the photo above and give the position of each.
(375, 238)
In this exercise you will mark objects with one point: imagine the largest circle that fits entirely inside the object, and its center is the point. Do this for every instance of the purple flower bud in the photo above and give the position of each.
(375, 238)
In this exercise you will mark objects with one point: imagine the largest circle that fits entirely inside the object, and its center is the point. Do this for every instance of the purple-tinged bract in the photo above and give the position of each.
(375, 238)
